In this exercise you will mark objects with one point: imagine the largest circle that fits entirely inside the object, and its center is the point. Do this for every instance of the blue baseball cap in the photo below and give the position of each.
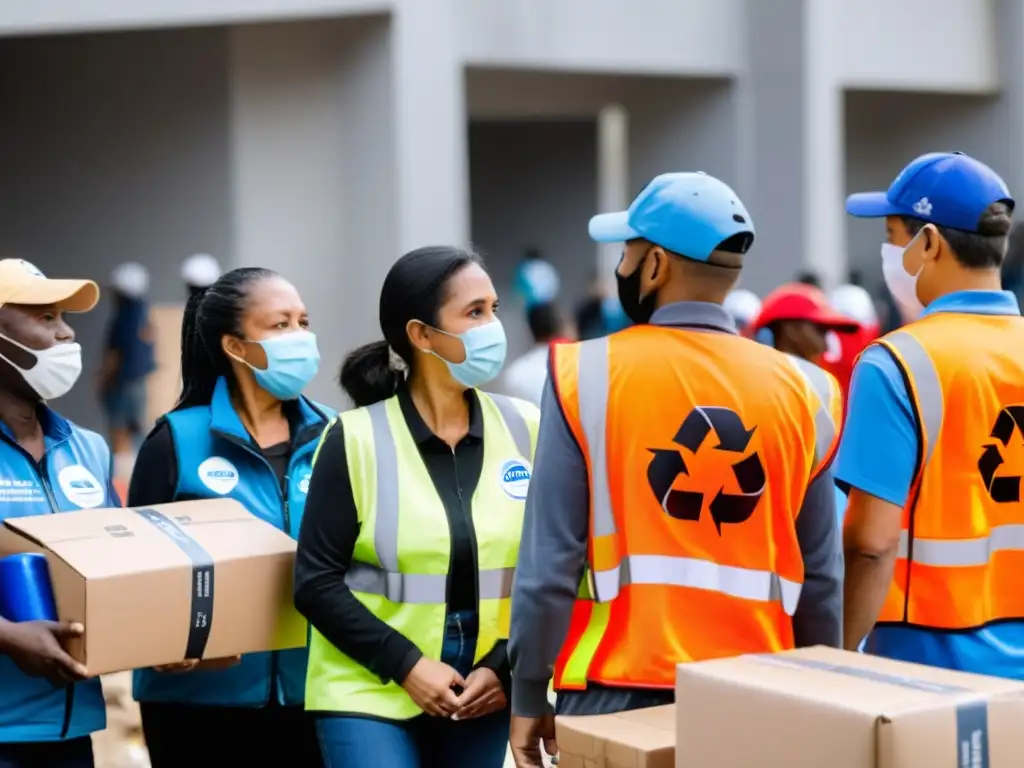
(690, 214)
(948, 189)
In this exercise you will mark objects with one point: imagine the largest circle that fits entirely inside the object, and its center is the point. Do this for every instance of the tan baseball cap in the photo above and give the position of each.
(22, 283)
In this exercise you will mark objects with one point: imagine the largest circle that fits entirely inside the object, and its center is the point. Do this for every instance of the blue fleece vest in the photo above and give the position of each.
(216, 459)
(74, 474)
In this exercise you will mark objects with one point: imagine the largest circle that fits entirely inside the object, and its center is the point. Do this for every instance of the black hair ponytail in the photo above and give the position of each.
(198, 374)
(416, 287)
(367, 375)
(210, 314)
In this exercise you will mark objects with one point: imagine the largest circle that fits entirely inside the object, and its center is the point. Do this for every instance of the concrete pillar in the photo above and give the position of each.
(613, 192)
(430, 126)
(313, 173)
(790, 143)
(1007, 117)
(348, 149)
(824, 215)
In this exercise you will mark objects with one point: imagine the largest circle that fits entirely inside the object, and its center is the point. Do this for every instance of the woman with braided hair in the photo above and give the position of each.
(242, 430)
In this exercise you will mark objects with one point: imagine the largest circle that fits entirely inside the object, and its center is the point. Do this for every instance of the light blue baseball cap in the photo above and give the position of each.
(690, 214)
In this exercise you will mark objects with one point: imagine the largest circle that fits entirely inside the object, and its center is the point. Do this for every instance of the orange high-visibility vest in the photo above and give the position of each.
(699, 449)
(961, 556)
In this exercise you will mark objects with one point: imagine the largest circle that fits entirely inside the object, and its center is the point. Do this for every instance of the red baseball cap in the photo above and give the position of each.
(798, 301)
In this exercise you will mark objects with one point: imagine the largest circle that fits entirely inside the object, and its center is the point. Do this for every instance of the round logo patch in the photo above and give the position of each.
(81, 487)
(515, 478)
(304, 484)
(219, 475)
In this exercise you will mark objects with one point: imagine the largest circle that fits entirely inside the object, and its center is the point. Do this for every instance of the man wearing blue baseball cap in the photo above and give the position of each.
(934, 555)
(682, 506)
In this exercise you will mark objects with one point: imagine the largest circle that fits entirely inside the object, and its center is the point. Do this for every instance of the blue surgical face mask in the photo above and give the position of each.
(292, 361)
(485, 354)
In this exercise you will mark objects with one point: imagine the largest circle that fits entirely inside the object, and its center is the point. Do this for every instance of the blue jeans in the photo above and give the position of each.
(425, 741)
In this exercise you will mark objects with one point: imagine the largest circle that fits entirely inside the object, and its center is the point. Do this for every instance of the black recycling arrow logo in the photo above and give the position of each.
(1003, 489)
(733, 437)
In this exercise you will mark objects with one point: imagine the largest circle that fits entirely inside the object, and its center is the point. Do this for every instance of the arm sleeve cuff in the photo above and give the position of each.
(497, 662)
(409, 660)
(530, 698)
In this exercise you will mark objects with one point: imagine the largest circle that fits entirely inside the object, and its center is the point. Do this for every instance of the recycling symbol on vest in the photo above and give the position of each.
(1003, 489)
(733, 437)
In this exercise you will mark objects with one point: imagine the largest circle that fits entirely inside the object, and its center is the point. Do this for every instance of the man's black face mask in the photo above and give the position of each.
(638, 310)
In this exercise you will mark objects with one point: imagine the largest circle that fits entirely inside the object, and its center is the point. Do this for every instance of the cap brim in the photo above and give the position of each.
(870, 205)
(834, 321)
(612, 228)
(829, 320)
(68, 295)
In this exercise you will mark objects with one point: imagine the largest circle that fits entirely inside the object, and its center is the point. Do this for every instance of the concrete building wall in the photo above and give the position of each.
(326, 137)
(312, 170)
(114, 147)
(609, 36)
(518, 203)
(885, 43)
(674, 123)
(895, 44)
(58, 16)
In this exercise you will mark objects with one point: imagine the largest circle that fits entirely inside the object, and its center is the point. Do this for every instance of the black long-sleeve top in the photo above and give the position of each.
(155, 475)
(330, 526)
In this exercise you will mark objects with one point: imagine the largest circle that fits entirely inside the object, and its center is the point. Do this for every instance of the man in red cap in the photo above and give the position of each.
(796, 318)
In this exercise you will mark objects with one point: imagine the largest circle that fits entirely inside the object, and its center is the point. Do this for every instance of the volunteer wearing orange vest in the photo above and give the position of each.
(932, 448)
(681, 506)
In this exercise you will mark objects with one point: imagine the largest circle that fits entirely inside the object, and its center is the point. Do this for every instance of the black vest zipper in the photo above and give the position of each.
(468, 512)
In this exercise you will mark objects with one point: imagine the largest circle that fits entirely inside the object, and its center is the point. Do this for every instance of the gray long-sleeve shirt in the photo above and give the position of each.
(553, 554)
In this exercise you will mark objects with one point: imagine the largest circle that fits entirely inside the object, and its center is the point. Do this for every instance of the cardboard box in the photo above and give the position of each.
(155, 585)
(823, 708)
(642, 738)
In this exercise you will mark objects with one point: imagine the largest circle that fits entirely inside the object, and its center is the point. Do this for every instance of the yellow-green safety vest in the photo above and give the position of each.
(400, 560)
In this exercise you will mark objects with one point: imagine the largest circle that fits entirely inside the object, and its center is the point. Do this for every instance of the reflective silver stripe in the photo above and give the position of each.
(385, 531)
(592, 391)
(962, 553)
(515, 422)
(824, 425)
(386, 580)
(495, 584)
(663, 570)
(926, 382)
(397, 587)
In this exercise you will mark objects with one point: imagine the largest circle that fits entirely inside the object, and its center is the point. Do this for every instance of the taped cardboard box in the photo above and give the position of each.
(642, 738)
(819, 707)
(155, 585)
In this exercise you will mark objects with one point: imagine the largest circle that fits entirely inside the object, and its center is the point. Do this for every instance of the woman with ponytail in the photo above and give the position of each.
(241, 429)
(411, 534)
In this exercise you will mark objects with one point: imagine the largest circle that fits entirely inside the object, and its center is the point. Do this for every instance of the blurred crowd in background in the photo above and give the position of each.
(797, 317)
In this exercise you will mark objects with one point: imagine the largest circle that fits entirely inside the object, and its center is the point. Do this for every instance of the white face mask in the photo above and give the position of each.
(901, 284)
(56, 369)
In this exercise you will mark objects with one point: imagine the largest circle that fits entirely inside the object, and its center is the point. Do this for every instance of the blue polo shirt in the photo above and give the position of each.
(880, 413)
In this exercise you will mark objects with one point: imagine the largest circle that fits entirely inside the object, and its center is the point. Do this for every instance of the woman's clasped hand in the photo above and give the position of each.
(431, 684)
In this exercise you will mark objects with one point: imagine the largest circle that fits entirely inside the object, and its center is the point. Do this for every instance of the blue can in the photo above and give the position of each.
(26, 593)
